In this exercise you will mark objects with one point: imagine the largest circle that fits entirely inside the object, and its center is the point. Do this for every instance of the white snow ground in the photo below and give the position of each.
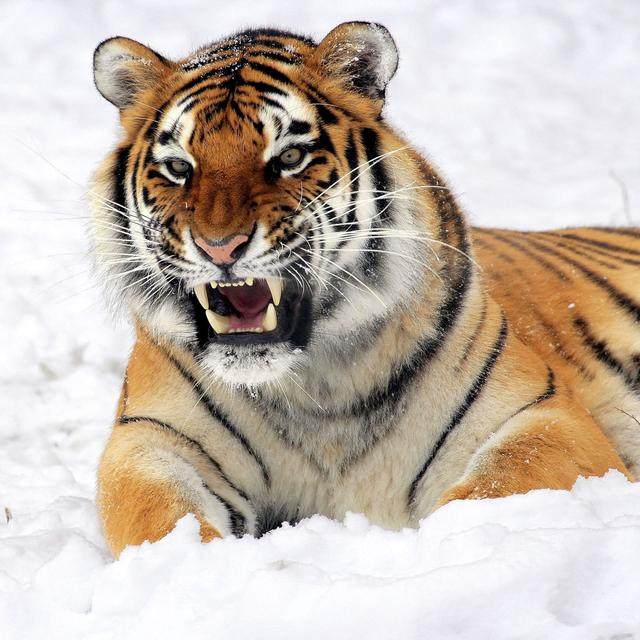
(531, 108)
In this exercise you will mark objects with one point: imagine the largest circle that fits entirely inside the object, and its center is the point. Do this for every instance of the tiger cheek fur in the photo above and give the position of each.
(318, 329)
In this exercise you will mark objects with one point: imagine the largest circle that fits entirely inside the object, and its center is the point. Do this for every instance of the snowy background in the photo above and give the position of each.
(532, 110)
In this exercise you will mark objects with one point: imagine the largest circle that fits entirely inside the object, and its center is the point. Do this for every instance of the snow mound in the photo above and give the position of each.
(549, 564)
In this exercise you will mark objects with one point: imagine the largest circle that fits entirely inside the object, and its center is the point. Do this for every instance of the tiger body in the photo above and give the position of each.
(408, 360)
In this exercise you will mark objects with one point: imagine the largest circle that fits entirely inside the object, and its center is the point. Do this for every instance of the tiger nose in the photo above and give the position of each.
(224, 251)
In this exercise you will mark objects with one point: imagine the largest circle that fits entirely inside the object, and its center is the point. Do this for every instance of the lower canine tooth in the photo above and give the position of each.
(275, 286)
(201, 294)
(270, 321)
(219, 323)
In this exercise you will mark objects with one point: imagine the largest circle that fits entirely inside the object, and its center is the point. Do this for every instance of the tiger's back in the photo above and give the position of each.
(571, 296)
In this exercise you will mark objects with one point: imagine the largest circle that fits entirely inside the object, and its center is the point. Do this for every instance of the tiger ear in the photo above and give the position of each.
(122, 68)
(362, 54)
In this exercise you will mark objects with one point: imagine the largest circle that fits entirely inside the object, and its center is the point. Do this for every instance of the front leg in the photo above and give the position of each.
(149, 478)
(538, 449)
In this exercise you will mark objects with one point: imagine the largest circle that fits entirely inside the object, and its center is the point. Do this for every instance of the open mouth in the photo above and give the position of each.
(251, 311)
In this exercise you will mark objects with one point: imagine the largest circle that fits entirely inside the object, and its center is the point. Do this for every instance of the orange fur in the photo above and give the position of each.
(548, 452)
(134, 506)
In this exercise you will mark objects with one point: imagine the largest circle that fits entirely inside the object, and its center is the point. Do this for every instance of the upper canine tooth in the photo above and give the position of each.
(270, 321)
(275, 286)
(201, 294)
(219, 323)
(249, 281)
(213, 284)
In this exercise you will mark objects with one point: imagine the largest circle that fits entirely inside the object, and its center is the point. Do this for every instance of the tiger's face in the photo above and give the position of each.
(249, 212)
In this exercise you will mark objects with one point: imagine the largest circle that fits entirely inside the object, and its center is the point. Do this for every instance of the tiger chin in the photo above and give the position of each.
(318, 328)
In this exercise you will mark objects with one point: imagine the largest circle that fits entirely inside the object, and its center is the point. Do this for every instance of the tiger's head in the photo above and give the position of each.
(258, 208)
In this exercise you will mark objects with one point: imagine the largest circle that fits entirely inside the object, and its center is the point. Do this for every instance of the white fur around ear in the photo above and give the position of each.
(123, 67)
(363, 54)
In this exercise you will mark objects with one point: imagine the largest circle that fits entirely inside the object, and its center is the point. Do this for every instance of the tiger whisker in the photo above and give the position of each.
(366, 165)
(327, 282)
(305, 391)
(394, 253)
(351, 275)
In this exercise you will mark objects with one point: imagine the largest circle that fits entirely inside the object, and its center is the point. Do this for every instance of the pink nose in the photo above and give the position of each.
(225, 251)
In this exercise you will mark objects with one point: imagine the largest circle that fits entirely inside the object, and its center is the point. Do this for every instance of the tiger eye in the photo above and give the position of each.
(291, 157)
(179, 168)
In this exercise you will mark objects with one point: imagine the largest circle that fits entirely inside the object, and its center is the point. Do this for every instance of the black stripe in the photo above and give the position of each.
(380, 177)
(145, 223)
(472, 395)
(318, 160)
(536, 258)
(612, 254)
(165, 138)
(487, 245)
(169, 226)
(278, 57)
(332, 215)
(265, 34)
(153, 173)
(622, 299)
(631, 233)
(601, 350)
(351, 155)
(238, 111)
(323, 142)
(236, 519)
(315, 96)
(331, 181)
(549, 392)
(272, 103)
(263, 39)
(218, 414)
(224, 86)
(147, 198)
(119, 197)
(597, 243)
(229, 70)
(325, 114)
(194, 443)
(271, 72)
(373, 252)
(476, 333)
(558, 346)
(263, 87)
(583, 252)
(214, 109)
(299, 127)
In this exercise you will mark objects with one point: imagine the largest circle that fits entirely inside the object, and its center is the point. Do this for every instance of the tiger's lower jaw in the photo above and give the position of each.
(246, 366)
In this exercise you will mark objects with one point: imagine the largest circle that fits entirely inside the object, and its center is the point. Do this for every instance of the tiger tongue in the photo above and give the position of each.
(248, 301)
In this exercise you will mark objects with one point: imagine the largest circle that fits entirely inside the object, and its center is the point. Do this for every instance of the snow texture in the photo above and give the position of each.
(531, 110)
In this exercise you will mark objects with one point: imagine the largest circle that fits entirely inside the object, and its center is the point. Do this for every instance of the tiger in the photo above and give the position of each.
(318, 328)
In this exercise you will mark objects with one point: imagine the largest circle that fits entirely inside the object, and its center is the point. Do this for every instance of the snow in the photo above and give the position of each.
(551, 564)
(531, 111)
